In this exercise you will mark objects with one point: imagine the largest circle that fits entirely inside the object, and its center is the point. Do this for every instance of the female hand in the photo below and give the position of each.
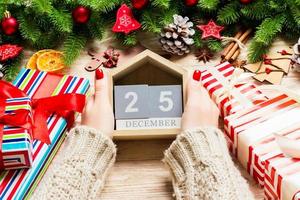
(98, 112)
(200, 110)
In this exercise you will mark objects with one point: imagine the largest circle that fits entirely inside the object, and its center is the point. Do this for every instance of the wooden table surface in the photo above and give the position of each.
(139, 172)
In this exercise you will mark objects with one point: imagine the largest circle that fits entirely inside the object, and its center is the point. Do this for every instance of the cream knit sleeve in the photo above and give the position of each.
(80, 168)
(202, 168)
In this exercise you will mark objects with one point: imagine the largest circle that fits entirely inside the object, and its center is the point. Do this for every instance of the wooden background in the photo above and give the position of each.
(139, 172)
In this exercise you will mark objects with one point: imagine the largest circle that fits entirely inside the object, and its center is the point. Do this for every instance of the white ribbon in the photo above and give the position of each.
(229, 90)
(226, 40)
(288, 146)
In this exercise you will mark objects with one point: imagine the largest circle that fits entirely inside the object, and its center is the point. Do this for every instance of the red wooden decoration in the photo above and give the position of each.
(8, 51)
(211, 30)
(125, 22)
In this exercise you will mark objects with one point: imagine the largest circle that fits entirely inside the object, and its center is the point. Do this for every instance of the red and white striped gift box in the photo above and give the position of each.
(247, 118)
(217, 79)
(282, 178)
(252, 134)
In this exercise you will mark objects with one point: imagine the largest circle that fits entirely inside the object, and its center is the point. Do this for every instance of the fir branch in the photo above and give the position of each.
(256, 10)
(167, 17)
(198, 42)
(12, 68)
(103, 5)
(256, 51)
(28, 29)
(229, 14)
(61, 20)
(2, 9)
(214, 45)
(41, 6)
(130, 39)
(96, 26)
(269, 29)
(72, 47)
(150, 23)
(208, 4)
(165, 4)
(296, 14)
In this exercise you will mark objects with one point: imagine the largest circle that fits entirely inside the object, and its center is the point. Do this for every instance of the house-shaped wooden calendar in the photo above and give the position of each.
(149, 94)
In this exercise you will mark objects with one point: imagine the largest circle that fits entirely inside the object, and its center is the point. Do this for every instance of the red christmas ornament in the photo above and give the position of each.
(246, 1)
(139, 4)
(9, 24)
(81, 14)
(8, 51)
(125, 21)
(211, 30)
(191, 2)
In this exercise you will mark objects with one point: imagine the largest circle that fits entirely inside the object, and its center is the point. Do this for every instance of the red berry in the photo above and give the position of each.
(265, 56)
(283, 52)
(268, 70)
(81, 14)
(267, 61)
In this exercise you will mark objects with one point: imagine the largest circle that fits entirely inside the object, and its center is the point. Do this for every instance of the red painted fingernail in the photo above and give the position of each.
(99, 74)
(197, 75)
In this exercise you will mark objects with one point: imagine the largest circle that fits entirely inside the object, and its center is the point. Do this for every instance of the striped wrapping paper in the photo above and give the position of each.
(252, 134)
(16, 144)
(15, 184)
(215, 87)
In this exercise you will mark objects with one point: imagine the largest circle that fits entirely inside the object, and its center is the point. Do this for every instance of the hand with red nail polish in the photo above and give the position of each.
(200, 110)
(98, 112)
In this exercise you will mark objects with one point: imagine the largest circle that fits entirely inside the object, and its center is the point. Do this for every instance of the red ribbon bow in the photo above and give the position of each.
(63, 105)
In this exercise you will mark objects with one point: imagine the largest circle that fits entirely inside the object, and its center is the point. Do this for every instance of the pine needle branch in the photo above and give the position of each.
(165, 4)
(61, 20)
(229, 14)
(28, 29)
(72, 47)
(269, 29)
(208, 4)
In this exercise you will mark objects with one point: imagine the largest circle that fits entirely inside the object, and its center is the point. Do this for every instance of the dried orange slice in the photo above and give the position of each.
(51, 61)
(31, 64)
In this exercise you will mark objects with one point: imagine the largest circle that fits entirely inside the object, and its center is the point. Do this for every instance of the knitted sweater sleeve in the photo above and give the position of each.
(80, 168)
(202, 168)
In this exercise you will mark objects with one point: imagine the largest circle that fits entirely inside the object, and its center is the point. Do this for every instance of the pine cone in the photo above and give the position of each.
(176, 38)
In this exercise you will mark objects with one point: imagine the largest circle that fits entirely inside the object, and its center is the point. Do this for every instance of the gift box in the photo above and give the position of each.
(18, 184)
(16, 149)
(229, 97)
(251, 133)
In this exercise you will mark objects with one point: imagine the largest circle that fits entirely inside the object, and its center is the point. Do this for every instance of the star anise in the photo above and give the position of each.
(204, 54)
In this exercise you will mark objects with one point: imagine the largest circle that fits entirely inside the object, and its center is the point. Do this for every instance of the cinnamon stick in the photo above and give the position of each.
(235, 47)
(229, 47)
(237, 52)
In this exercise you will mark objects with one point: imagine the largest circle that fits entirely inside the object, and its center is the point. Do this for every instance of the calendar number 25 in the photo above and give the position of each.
(165, 100)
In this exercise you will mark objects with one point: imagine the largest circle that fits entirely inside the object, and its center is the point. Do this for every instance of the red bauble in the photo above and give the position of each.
(9, 24)
(125, 21)
(246, 1)
(191, 2)
(81, 14)
(139, 4)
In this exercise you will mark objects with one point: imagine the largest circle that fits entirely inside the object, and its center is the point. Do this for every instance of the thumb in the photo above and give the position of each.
(101, 84)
